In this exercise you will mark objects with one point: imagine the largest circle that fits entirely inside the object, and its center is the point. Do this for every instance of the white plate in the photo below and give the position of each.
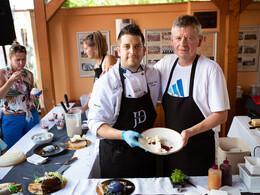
(168, 138)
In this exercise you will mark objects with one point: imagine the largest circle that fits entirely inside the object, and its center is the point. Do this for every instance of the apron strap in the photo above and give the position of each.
(194, 64)
(170, 77)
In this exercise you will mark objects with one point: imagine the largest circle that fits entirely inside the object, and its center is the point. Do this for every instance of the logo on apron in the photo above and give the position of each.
(139, 117)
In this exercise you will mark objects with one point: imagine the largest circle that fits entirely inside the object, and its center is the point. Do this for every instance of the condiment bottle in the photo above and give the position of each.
(226, 173)
(214, 177)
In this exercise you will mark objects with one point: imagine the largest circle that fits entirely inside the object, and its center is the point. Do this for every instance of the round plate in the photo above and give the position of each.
(35, 188)
(169, 138)
(77, 145)
(6, 185)
(102, 187)
(38, 150)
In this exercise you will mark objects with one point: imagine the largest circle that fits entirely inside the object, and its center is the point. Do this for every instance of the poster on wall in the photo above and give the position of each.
(208, 47)
(248, 49)
(86, 65)
(114, 51)
(158, 44)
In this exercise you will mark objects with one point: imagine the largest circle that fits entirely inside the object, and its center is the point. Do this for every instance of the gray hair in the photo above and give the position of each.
(187, 21)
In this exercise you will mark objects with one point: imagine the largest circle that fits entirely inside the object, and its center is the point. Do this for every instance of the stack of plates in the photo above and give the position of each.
(249, 173)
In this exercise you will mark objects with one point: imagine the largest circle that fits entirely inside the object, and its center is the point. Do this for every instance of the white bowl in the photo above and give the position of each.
(169, 138)
(42, 138)
(253, 164)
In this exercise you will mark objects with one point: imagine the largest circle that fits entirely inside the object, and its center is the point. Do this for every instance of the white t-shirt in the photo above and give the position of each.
(105, 100)
(209, 89)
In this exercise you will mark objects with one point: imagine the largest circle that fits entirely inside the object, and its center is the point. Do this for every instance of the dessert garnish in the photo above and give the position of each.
(158, 143)
(11, 189)
(115, 188)
(51, 182)
(49, 148)
(178, 176)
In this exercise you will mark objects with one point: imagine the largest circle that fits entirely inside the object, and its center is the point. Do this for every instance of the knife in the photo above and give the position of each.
(64, 107)
(66, 100)
(66, 165)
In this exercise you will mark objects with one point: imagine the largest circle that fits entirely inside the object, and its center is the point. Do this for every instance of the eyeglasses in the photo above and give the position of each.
(18, 48)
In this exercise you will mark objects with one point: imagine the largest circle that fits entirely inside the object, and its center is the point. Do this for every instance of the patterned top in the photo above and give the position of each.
(18, 99)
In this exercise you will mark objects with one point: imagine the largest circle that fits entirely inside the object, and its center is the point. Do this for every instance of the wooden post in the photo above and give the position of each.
(43, 13)
(44, 55)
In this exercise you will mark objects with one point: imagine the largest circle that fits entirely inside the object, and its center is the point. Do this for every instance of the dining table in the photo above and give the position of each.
(83, 175)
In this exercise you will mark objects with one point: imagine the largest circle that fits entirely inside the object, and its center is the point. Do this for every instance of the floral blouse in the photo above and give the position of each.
(18, 99)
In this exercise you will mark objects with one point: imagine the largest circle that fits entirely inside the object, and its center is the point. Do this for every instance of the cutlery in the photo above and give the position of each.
(66, 165)
(64, 107)
(66, 100)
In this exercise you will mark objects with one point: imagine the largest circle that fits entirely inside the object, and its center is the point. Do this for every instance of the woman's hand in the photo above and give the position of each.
(16, 76)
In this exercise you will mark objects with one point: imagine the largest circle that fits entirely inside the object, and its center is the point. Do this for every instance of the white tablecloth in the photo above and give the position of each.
(240, 128)
(160, 185)
(85, 167)
(81, 172)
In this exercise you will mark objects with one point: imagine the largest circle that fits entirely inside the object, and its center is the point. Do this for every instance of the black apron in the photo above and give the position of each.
(181, 113)
(98, 71)
(117, 158)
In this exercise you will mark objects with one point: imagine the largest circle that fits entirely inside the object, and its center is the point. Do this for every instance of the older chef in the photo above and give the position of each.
(195, 99)
(122, 105)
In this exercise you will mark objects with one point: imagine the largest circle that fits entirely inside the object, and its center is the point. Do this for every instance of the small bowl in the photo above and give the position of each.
(252, 164)
(42, 138)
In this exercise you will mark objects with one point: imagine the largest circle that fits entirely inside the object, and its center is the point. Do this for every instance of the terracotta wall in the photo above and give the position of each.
(67, 22)
(249, 17)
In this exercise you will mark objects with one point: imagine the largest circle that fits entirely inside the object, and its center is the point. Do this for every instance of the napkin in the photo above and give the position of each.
(36, 159)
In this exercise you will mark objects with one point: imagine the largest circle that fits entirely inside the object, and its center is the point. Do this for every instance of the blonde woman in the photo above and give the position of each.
(95, 47)
(18, 110)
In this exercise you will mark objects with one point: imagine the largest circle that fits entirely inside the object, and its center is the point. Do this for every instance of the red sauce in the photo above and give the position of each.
(167, 148)
(45, 126)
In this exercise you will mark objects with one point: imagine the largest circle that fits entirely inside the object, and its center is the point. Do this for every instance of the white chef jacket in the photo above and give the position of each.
(105, 100)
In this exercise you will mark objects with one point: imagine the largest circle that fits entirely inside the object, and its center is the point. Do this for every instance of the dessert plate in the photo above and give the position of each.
(171, 140)
(77, 145)
(35, 188)
(103, 186)
(60, 148)
(6, 185)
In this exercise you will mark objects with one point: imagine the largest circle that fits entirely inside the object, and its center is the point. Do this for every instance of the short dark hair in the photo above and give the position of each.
(186, 21)
(131, 29)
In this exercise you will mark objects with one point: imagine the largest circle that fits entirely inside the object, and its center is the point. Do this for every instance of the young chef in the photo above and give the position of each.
(195, 99)
(122, 105)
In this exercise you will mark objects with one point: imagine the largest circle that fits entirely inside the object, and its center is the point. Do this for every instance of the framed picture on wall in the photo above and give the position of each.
(158, 44)
(248, 49)
(86, 65)
(208, 47)
(114, 51)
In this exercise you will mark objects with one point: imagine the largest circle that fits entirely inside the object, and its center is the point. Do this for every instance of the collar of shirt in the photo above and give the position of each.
(140, 68)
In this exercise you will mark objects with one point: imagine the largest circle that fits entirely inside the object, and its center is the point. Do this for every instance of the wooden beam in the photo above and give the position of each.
(44, 55)
(231, 57)
(52, 7)
(222, 5)
(244, 4)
